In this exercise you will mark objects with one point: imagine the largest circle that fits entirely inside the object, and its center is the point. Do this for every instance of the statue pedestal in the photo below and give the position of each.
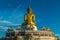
(28, 27)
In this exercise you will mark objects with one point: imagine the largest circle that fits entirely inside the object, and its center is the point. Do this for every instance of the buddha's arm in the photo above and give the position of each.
(33, 18)
(25, 18)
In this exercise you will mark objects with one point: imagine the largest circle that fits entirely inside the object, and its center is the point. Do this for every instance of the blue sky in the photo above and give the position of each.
(47, 13)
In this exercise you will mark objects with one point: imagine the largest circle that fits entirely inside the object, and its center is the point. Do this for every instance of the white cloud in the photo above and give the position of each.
(15, 24)
(5, 21)
(57, 35)
(3, 28)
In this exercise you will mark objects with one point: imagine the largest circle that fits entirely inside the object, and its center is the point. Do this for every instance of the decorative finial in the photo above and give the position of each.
(44, 28)
(19, 27)
(48, 29)
(10, 28)
(29, 9)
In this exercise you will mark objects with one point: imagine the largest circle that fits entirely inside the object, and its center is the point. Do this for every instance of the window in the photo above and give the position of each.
(36, 34)
(46, 34)
(36, 39)
(42, 35)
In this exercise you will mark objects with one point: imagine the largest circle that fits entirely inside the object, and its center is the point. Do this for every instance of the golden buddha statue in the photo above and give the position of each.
(29, 18)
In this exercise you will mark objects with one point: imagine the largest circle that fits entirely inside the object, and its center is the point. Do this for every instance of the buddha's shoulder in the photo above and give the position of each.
(33, 14)
(25, 14)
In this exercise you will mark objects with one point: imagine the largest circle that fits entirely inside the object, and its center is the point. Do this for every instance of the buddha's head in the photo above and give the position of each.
(29, 10)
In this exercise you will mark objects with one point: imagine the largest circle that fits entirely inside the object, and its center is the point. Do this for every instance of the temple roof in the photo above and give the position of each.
(19, 27)
(10, 28)
(44, 28)
(48, 29)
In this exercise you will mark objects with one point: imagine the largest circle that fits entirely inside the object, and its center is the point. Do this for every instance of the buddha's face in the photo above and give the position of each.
(30, 11)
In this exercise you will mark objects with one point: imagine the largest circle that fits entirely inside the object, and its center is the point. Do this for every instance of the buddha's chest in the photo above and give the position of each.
(29, 16)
